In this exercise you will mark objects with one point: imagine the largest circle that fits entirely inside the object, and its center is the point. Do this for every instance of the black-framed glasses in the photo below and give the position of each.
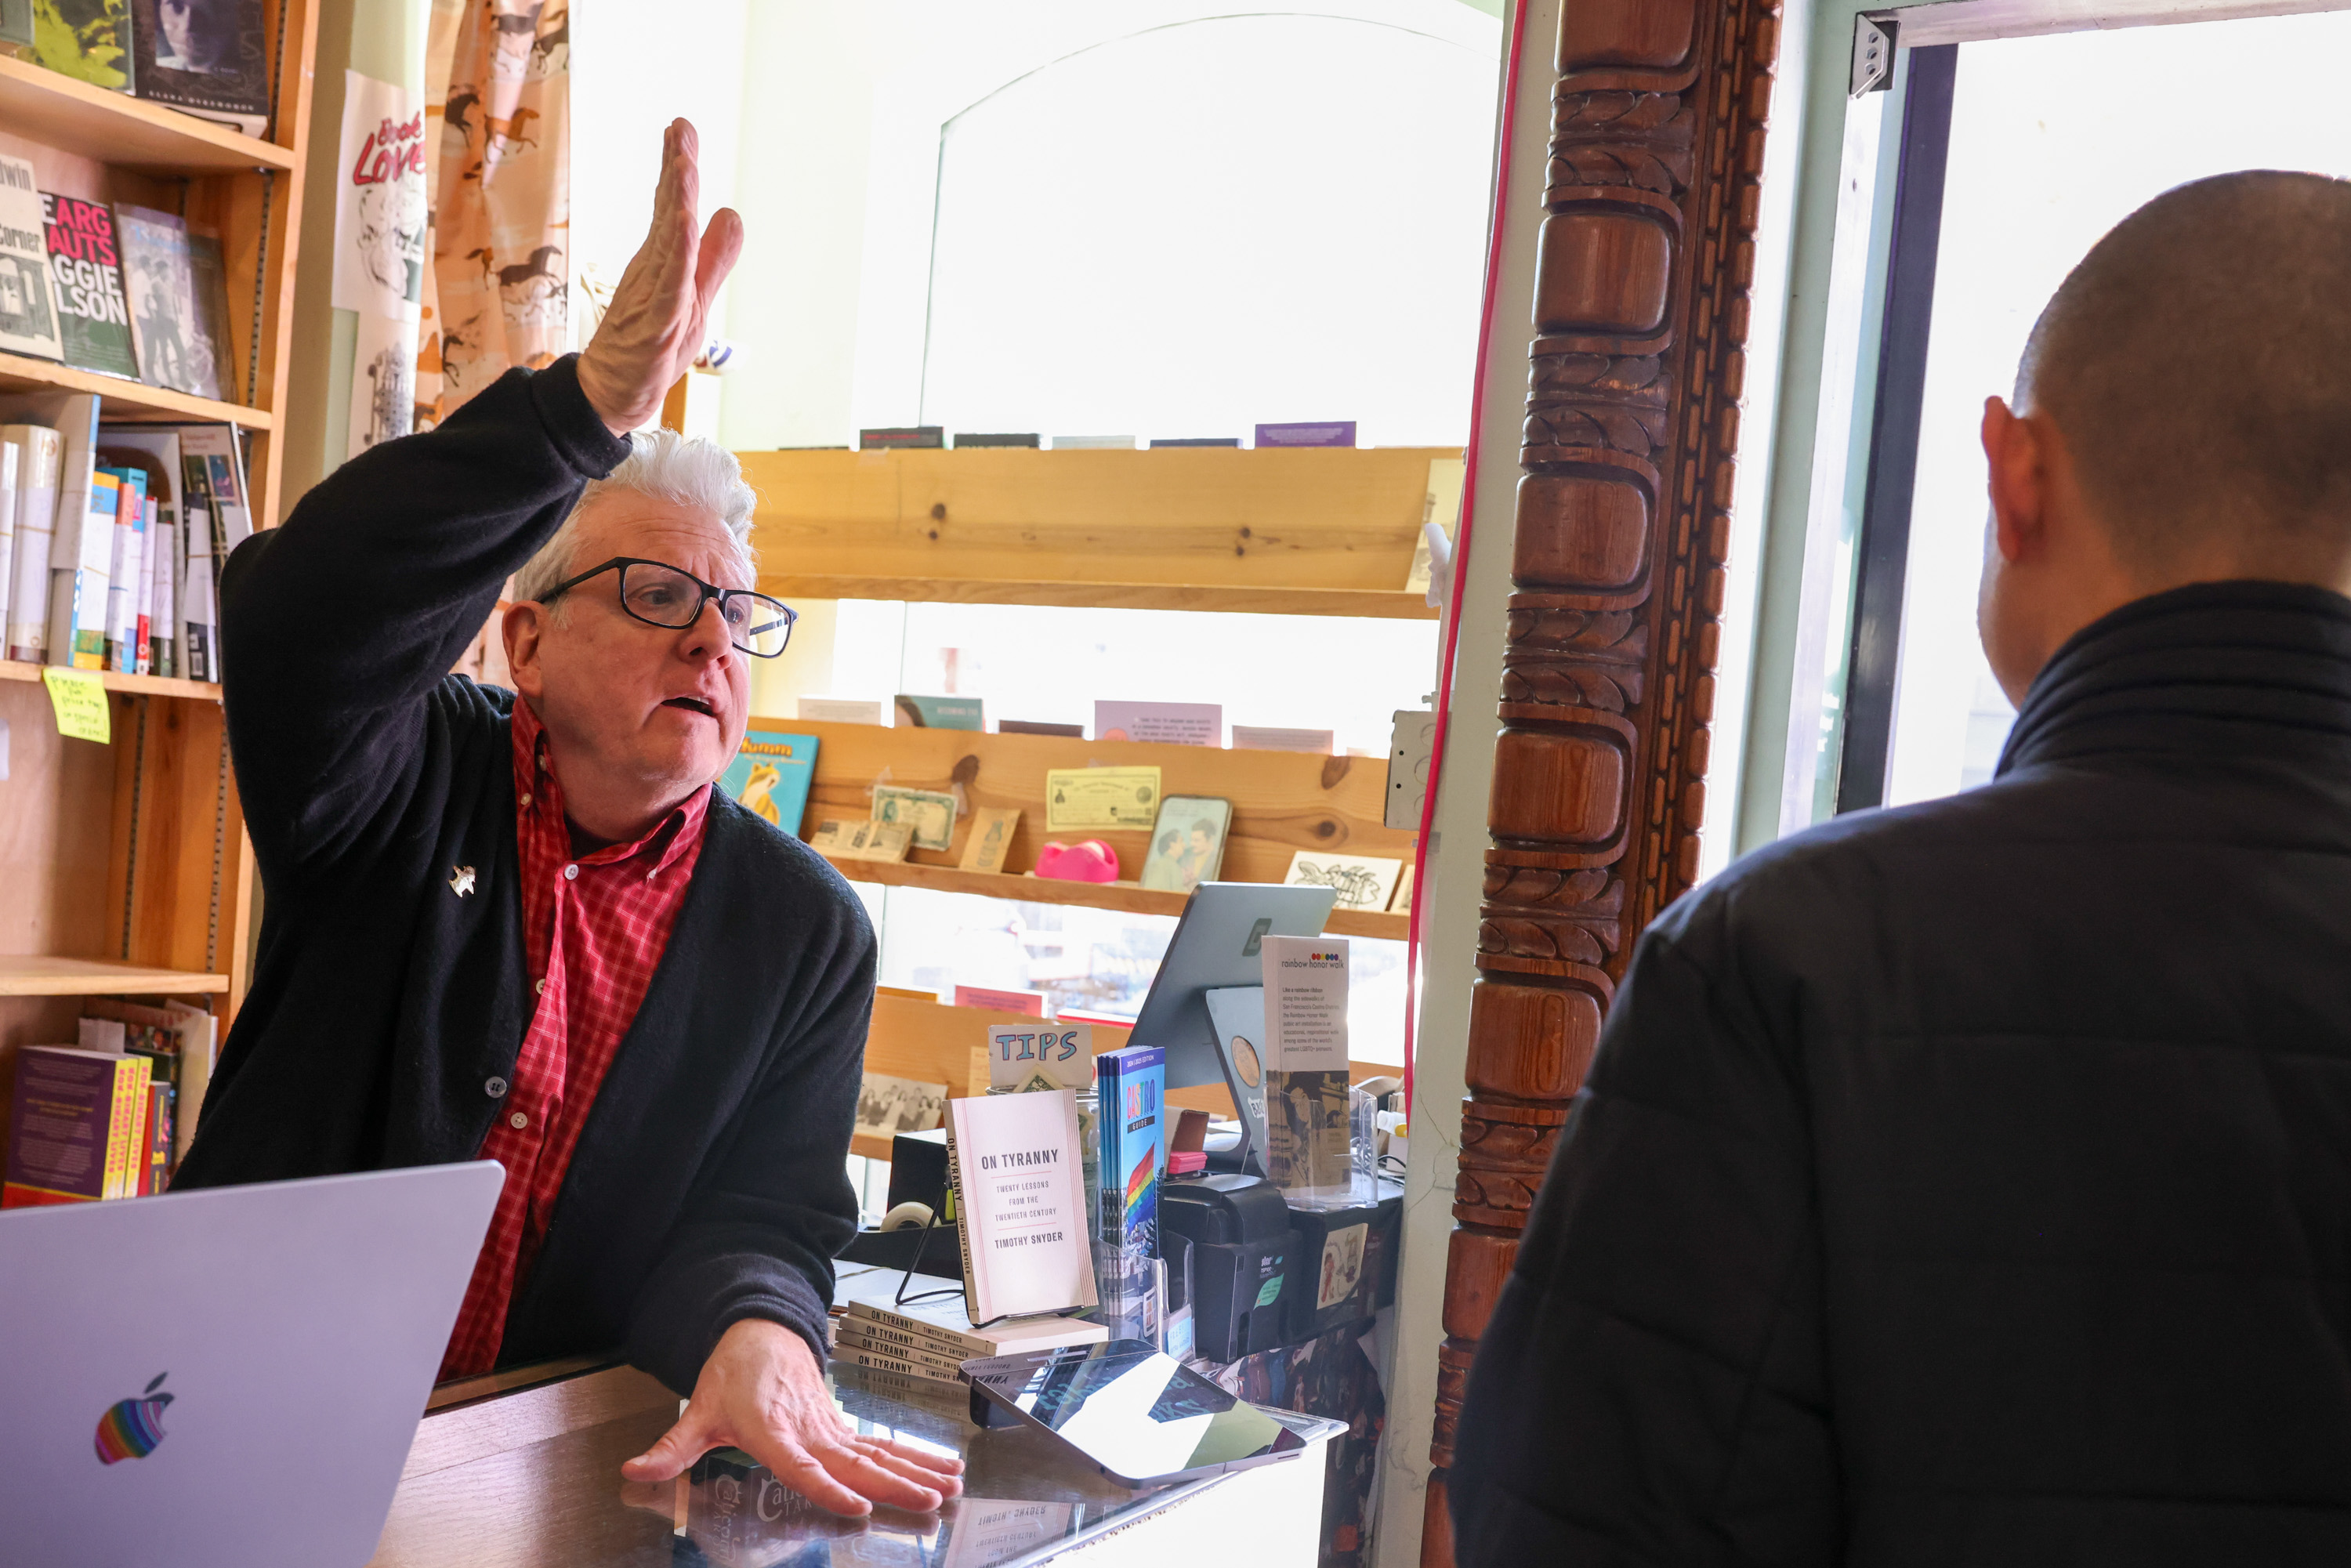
(659, 594)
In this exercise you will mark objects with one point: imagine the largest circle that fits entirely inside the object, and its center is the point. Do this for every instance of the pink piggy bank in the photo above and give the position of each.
(1092, 861)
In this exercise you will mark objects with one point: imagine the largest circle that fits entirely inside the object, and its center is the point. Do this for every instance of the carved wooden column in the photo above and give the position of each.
(1632, 420)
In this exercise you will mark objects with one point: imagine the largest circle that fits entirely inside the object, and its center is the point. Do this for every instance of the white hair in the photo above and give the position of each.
(692, 471)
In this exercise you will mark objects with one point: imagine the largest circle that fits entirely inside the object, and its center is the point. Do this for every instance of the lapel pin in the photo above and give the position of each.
(462, 880)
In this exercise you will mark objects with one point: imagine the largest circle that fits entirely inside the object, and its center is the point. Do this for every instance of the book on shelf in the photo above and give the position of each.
(211, 276)
(86, 271)
(155, 1168)
(78, 590)
(771, 775)
(172, 339)
(154, 451)
(177, 1041)
(12, 469)
(25, 593)
(126, 637)
(28, 310)
(77, 1126)
(88, 40)
(210, 61)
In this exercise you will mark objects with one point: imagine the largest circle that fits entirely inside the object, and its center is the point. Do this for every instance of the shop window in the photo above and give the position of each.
(2051, 141)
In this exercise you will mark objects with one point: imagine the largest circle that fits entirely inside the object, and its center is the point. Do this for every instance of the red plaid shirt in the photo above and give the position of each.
(594, 928)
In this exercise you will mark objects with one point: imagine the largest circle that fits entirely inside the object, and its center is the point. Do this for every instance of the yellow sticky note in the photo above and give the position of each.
(80, 698)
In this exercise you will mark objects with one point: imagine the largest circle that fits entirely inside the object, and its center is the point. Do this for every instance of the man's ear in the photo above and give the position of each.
(523, 628)
(2018, 480)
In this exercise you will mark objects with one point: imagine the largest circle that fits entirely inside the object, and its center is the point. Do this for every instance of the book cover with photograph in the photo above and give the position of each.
(29, 312)
(159, 277)
(771, 774)
(86, 270)
(88, 40)
(206, 57)
(1187, 844)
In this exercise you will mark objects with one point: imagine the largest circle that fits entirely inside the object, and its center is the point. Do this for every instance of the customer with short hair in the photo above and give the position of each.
(1970, 1183)
(523, 926)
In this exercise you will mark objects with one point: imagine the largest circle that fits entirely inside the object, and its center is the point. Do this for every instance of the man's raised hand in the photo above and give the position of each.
(657, 322)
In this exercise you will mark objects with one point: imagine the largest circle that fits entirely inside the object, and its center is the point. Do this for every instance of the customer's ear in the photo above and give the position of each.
(524, 629)
(2014, 455)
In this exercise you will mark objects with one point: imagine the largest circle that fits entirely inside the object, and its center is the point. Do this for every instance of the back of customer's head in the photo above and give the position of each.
(2198, 362)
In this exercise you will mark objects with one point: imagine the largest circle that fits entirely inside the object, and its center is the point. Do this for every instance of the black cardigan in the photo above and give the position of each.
(1971, 1182)
(709, 1182)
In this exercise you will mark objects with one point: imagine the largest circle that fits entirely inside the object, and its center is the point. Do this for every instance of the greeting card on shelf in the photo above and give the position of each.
(1250, 737)
(1169, 724)
(1361, 882)
(1188, 843)
(861, 841)
(940, 713)
(1015, 1169)
(991, 838)
(1099, 798)
(928, 813)
(839, 710)
(1002, 1001)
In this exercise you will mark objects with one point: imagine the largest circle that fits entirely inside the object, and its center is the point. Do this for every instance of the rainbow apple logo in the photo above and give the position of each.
(132, 1428)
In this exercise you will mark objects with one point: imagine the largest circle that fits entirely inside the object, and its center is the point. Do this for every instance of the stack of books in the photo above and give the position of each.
(110, 1116)
(928, 1341)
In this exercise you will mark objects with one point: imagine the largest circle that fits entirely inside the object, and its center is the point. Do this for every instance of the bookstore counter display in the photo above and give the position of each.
(150, 184)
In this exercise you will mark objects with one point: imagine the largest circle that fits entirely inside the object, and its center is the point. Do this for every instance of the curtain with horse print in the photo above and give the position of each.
(498, 91)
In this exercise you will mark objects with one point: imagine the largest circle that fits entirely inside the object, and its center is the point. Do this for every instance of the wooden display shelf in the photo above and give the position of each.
(1104, 595)
(44, 106)
(1125, 895)
(39, 977)
(1296, 532)
(134, 685)
(1282, 802)
(122, 399)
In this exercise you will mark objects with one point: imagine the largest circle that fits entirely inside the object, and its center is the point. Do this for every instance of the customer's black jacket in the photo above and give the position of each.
(1970, 1183)
(708, 1184)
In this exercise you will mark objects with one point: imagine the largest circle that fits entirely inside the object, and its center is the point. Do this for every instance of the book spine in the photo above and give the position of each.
(962, 1344)
(972, 1303)
(164, 627)
(892, 1364)
(12, 475)
(157, 1144)
(142, 645)
(126, 1128)
(26, 591)
(849, 1339)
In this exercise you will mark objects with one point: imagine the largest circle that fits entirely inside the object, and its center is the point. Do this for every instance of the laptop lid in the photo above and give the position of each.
(227, 1376)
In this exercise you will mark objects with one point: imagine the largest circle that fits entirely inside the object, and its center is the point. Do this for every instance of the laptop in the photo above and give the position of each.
(227, 1376)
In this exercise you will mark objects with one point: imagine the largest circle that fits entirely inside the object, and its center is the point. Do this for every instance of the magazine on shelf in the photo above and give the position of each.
(86, 271)
(28, 310)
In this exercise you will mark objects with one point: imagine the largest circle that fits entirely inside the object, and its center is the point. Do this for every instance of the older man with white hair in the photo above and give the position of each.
(524, 925)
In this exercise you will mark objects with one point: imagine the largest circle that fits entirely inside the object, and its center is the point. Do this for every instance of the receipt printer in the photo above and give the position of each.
(1242, 1245)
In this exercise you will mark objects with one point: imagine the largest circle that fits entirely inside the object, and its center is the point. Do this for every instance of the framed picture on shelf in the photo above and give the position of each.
(1361, 882)
(1187, 842)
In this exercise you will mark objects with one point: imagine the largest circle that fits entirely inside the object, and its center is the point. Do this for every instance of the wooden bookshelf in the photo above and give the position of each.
(1125, 895)
(37, 976)
(125, 866)
(39, 105)
(134, 685)
(122, 399)
(1289, 532)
